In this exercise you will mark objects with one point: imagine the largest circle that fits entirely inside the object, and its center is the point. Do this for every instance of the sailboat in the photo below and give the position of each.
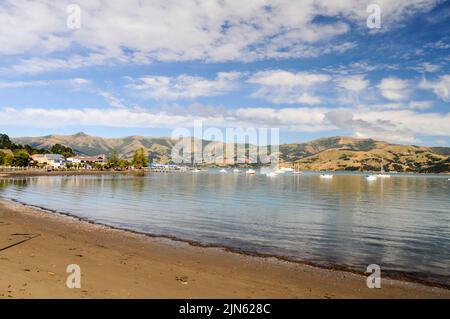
(223, 170)
(298, 171)
(250, 172)
(382, 174)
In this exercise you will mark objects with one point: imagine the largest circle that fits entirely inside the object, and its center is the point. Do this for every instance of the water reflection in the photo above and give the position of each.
(401, 223)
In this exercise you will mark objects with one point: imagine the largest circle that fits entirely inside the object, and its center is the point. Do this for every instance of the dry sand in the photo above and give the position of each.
(121, 264)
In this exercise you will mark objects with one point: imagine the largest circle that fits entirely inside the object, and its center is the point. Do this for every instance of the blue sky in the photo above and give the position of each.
(310, 68)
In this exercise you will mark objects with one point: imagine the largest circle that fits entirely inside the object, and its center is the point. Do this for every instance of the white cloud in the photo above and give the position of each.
(298, 119)
(28, 25)
(37, 65)
(287, 79)
(408, 122)
(111, 98)
(440, 87)
(216, 30)
(21, 84)
(75, 83)
(428, 67)
(184, 86)
(79, 84)
(390, 125)
(354, 83)
(395, 89)
(279, 86)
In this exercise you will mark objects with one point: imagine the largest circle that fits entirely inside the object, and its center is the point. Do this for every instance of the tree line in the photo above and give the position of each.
(12, 154)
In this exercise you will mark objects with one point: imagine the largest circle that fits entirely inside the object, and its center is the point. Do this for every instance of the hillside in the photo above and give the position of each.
(333, 153)
(345, 153)
(85, 144)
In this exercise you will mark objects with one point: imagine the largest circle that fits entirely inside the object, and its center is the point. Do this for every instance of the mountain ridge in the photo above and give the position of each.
(328, 153)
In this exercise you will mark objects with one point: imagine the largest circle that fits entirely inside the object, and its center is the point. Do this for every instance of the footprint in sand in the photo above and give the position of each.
(182, 279)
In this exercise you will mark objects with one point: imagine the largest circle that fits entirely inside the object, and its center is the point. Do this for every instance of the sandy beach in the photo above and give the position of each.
(121, 264)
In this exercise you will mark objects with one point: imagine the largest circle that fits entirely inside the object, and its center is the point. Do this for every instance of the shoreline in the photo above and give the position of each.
(394, 275)
(37, 173)
(237, 260)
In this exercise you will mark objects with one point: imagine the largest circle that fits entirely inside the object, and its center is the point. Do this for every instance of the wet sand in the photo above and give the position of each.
(120, 264)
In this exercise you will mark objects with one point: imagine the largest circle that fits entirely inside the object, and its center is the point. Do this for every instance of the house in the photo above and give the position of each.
(82, 160)
(52, 160)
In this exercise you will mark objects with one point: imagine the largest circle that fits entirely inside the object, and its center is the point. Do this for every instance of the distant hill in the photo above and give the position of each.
(84, 144)
(351, 154)
(333, 153)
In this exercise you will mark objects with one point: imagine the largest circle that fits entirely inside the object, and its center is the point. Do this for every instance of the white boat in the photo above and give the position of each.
(271, 174)
(195, 170)
(280, 171)
(371, 177)
(382, 174)
(236, 170)
(250, 172)
(287, 169)
(223, 170)
(326, 176)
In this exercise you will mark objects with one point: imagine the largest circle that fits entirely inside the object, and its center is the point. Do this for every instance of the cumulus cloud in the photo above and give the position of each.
(279, 86)
(440, 87)
(216, 30)
(354, 83)
(390, 125)
(184, 86)
(395, 89)
(375, 128)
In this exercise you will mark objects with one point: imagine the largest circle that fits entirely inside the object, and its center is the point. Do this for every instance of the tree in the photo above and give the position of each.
(21, 158)
(66, 151)
(5, 142)
(32, 150)
(124, 163)
(2, 158)
(140, 158)
(114, 160)
(8, 161)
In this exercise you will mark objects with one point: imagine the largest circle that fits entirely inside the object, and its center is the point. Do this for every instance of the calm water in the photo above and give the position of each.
(401, 223)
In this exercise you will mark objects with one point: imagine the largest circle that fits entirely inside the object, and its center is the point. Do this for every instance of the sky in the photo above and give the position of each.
(309, 68)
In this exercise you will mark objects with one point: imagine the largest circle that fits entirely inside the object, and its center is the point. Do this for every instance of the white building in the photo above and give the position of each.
(98, 159)
(52, 160)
